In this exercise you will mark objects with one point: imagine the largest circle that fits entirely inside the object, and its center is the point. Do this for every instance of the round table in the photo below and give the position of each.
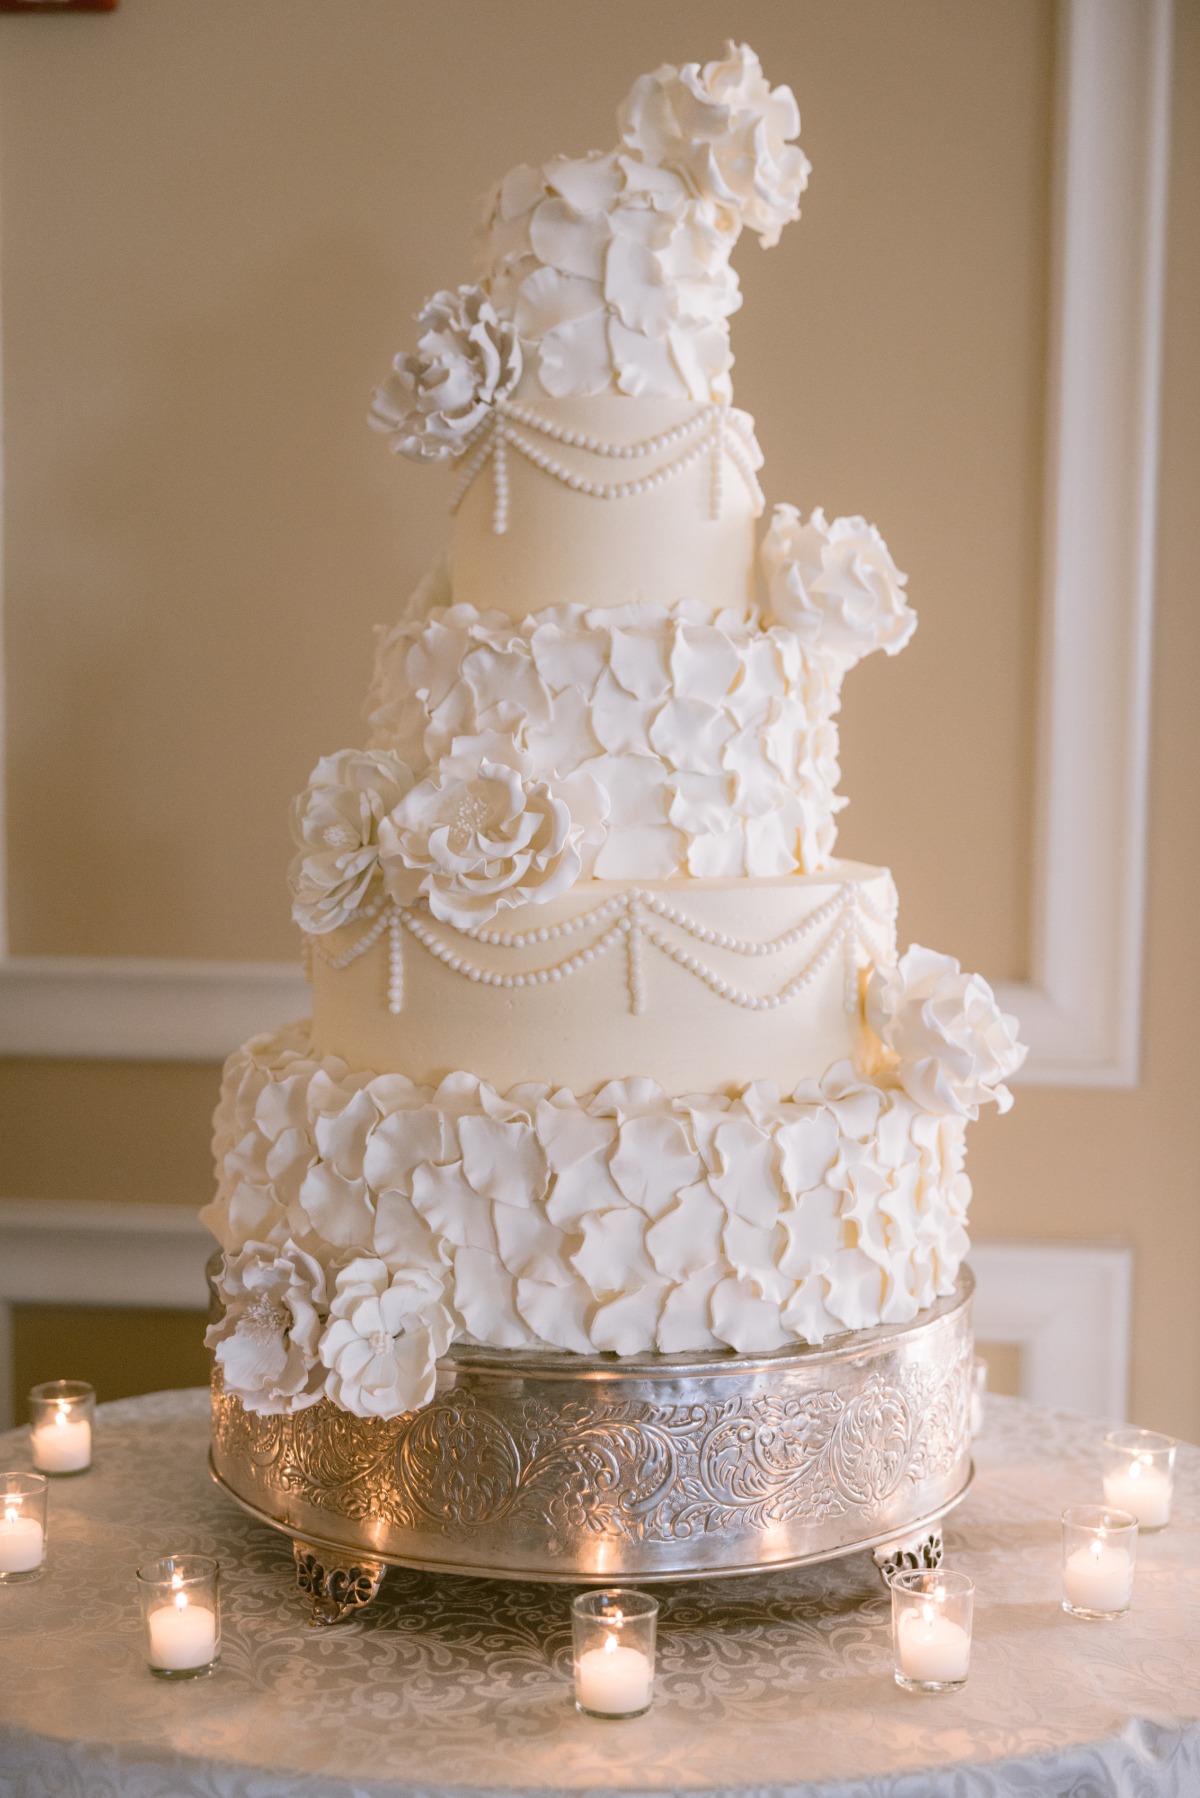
(771, 1683)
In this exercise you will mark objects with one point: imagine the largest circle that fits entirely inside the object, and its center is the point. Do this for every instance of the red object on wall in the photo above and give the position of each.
(58, 5)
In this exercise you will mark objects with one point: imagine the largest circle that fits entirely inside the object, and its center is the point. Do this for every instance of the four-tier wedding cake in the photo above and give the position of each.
(608, 1054)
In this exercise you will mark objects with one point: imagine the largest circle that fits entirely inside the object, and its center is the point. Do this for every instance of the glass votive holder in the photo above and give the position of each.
(613, 1634)
(22, 1527)
(979, 1373)
(61, 1413)
(1099, 1552)
(180, 1596)
(931, 1629)
(1139, 1475)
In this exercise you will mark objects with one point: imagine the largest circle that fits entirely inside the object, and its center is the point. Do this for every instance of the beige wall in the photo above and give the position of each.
(216, 222)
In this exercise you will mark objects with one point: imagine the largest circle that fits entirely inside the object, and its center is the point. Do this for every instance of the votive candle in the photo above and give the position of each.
(1099, 1553)
(181, 1609)
(22, 1527)
(1139, 1475)
(931, 1629)
(613, 1634)
(61, 1438)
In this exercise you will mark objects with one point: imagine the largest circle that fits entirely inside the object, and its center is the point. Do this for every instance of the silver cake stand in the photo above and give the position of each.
(573, 1469)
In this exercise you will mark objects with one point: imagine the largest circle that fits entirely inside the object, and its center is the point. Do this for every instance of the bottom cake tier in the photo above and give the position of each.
(624, 1219)
(596, 1469)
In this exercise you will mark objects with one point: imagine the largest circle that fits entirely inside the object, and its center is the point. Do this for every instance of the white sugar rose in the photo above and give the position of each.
(835, 585)
(727, 132)
(335, 821)
(385, 1334)
(267, 1342)
(476, 835)
(467, 358)
(955, 1046)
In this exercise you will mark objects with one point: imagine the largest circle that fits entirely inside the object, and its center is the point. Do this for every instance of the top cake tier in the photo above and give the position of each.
(608, 274)
(581, 387)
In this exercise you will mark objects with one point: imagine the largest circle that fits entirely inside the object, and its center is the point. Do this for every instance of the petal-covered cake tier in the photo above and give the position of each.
(609, 1053)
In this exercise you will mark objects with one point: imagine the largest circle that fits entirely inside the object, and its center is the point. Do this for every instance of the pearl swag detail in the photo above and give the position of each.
(716, 431)
(852, 918)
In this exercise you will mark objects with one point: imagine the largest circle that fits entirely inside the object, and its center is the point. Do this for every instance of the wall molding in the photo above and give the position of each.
(1080, 1010)
(1066, 1306)
(86, 1252)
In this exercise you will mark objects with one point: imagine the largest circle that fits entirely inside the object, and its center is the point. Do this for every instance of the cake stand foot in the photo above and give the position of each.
(911, 1554)
(337, 1587)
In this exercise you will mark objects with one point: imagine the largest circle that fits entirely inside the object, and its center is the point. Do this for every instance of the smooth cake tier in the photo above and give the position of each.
(700, 985)
(605, 500)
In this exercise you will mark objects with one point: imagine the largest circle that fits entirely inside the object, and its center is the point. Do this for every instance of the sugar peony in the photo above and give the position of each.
(727, 132)
(467, 358)
(835, 585)
(955, 1046)
(267, 1341)
(385, 1334)
(477, 835)
(335, 821)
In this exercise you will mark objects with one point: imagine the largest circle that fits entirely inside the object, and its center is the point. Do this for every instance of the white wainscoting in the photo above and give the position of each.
(1066, 1306)
(75, 1252)
(1080, 1009)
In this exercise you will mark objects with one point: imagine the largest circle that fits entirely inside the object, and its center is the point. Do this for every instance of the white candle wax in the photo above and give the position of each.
(613, 1679)
(22, 1543)
(64, 1445)
(1098, 1577)
(1142, 1489)
(182, 1635)
(931, 1647)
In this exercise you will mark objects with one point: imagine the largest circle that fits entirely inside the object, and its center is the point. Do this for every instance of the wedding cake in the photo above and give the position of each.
(609, 1053)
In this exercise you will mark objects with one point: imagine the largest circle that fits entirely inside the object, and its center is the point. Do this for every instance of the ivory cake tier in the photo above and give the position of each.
(703, 986)
(666, 505)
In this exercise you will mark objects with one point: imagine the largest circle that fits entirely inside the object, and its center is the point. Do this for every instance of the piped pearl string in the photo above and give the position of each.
(637, 967)
(737, 995)
(884, 916)
(490, 977)
(718, 939)
(500, 481)
(627, 915)
(395, 986)
(597, 446)
(366, 941)
(718, 431)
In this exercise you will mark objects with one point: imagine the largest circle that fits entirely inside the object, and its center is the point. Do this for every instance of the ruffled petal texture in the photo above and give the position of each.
(622, 1220)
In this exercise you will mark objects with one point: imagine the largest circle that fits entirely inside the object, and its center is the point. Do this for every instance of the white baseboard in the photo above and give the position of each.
(75, 1252)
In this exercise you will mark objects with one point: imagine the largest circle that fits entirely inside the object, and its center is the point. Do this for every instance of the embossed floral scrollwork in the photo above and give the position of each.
(459, 1464)
(871, 1444)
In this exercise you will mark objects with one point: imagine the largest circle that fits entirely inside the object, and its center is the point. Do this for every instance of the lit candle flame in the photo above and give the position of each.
(181, 1599)
(610, 1645)
(11, 1512)
(1097, 1547)
(63, 1413)
(1135, 1467)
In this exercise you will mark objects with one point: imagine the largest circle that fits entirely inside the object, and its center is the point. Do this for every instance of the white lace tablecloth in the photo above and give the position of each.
(775, 1683)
